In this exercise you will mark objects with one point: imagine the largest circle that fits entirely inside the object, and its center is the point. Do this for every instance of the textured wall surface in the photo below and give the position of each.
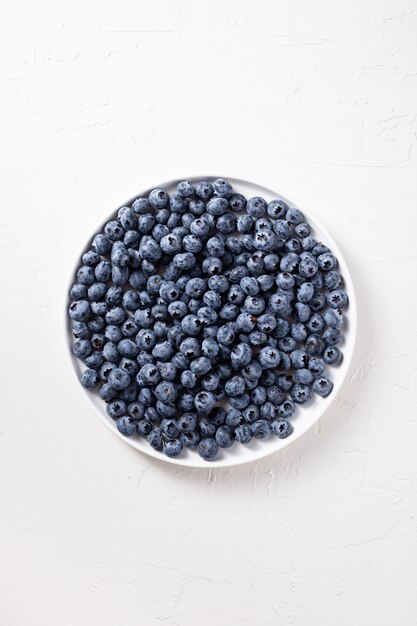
(100, 99)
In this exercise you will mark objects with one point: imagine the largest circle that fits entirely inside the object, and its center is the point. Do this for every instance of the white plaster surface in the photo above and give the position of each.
(100, 99)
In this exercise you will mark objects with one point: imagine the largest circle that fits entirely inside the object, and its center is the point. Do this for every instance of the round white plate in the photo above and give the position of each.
(305, 417)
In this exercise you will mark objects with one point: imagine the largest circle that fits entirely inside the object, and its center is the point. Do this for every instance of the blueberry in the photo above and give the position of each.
(266, 323)
(184, 261)
(144, 427)
(265, 281)
(277, 209)
(298, 331)
(315, 323)
(94, 360)
(285, 381)
(145, 396)
(226, 223)
(144, 358)
(106, 392)
(316, 366)
(332, 336)
(332, 355)
(166, 392)
(299, 359)
(207, 316)
(78, 292)
(146, 224)
(116, 408)
(105, 370)
(261, 429)
(200, 366)
(155, 438)
(149, 374)
(294, 216)
(114, 296)
(210, 348)
(101, 244)
(333, 280)
(279, 303)
(235, 386)
(222, 188)
(305, 292)
(79, 310)
(244, 223)
(208, 449)
(192, 244)
(243, 433)
(268, 377)
(210, 381)
(300, 393)
(224, 437)
(322, 386)
(172, 447)
(151, 414)
(256, 207)
(177, 203)
(327, 261)
(168, 371)
(252, 371)
(135, 410)
(314, 345)
(257, 338)
(269, 357)
(204, 190)
(207, 428)
(251, 413)
(82, 348)
(204, 402)
(114, 230)
(191, 325)
(89, 378)
(239, 402)
(185, 189)
(158, 198)
(332, 317)
(259, 395)
(262, 223)
(234, 417)
(119, 275)
(337, 299)
(190, 439)
(303, 376)
(217, 206)
(141, 206)
(318, 302)
(111, 353)
(286, 409)
(187, 422)
(218, 284)
(119, 379)
(285, 280)
(271, 263)
(281, 428)
(229, 311)
(308, 267)
(143, 318)
(241, 355)
(126, 426)
(303, 230)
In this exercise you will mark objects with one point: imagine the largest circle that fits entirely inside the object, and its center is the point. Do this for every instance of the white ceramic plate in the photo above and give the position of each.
(305, 417)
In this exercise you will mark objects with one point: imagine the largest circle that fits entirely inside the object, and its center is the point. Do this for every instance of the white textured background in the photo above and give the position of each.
(100, 99)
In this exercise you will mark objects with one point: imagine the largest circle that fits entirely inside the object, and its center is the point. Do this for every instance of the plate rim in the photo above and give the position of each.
(196, 462)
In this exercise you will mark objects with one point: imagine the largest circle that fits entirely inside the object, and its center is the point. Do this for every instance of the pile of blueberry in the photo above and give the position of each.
(204, 318)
